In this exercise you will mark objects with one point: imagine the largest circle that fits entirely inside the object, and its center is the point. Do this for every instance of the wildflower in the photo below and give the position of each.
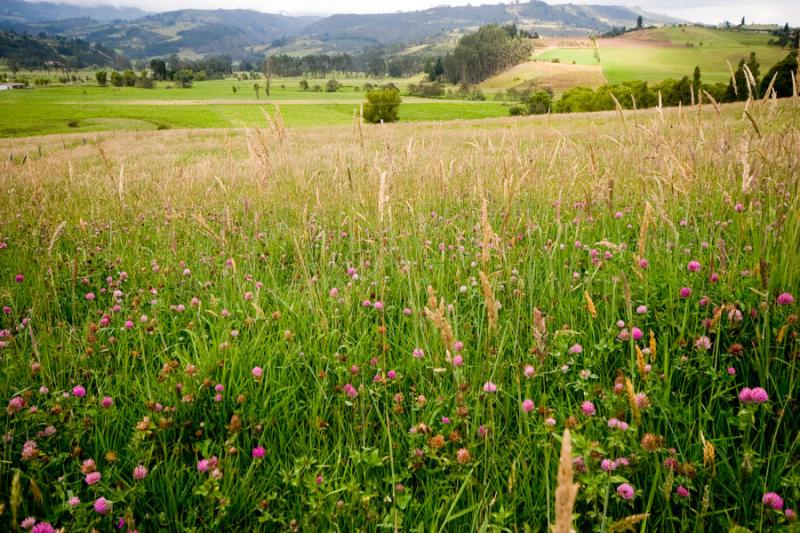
(93, 477)
(334, 292)
(43, 527)
(489, 387)
(703, 343)
(731, 371)
(378, 305)
(463, 456)
(350, 390)
(107, 402)
(202, 465)
(89, 296)
(588, 408)
(419, 353)
(78, 391)
(407, 311)
(527, 405)
(693, 266)
(685, 292)
(550, 422)
(529, 371)
(576, 348)
(785, 298)
(19, 278)
(74, 501)
(756, 395)
(28, 523)
(102, 506)
(643, 263)
(607, 465)
(714, 277)
(257, 372)
(636, 333)
(626, 491)
(791, 516)
(15, 404)
(641, 400)
(682, 491)
(458, 361)
(139, 472)
(772, 500)
(641, 310)
(258, 452)
(458, 346)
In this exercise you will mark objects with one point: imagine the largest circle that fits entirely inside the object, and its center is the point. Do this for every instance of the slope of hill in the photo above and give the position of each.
(20, 50)
(196, 32)
(546, 19)
(18, 11)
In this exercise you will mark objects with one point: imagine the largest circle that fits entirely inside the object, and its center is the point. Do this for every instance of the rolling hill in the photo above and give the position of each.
(196, 32)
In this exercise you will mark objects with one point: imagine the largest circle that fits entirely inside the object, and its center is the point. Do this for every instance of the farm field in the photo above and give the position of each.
(558, 76)
(670, 52)
(208, 104)
(490, 325)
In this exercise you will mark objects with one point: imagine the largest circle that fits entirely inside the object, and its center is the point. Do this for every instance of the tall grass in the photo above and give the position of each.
(373, 311)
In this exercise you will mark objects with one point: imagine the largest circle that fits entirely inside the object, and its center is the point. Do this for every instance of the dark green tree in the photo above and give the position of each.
(785, 69)
(639, 22)
(101, 76)
(159, 68)
(696, 81)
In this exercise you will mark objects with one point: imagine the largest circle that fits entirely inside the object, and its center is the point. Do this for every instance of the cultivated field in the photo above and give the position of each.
(670, 52)
(391, 327)
(88, 107)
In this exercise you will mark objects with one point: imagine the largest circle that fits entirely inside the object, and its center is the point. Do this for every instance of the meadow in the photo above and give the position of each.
(362, 327)
(670, 52)
(87, 107)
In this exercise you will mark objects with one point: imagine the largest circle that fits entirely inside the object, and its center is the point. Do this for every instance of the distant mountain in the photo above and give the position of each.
(32, 12)
(244, 33)
(546, 19)
(197, 32)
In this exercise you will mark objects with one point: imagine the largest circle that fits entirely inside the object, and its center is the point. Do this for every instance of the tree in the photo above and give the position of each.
(129, 77)
(696, 82)
(183, 78)
(303, 85)
(382, 105)
(742, 24)
(159, 68)
(785, 69)
(639, 22)
(257, 88)
(117, 79)
(101, 76)
(332, 86)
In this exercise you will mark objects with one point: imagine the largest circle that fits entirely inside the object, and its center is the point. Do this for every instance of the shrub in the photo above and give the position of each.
(426, 90)
(332, 86)
(382, 105)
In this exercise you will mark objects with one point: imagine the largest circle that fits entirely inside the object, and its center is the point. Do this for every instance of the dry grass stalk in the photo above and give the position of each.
(590, 304)
(713, 102)
(16, 496)
(436, 313)
(652, 346)
(640, 362)
(567, 490)
(487, 232)
(489, 301)
(709, 454)
(637, 415)
(647, 218)
(627, 523)
(540, 332)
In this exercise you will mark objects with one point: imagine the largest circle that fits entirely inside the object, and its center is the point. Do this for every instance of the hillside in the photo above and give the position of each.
(20, 50)
(196, 32)
(670, 52)
(239, 33)
(18, 11)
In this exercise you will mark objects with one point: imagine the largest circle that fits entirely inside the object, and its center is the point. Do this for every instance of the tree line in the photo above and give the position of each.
(746, 82)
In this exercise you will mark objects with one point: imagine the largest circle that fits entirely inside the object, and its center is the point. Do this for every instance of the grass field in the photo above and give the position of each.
(418, 327)
(557, 76)
(209, 104)
(654, 55)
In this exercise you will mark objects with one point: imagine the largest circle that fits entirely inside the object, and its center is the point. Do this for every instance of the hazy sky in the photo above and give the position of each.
(709, 11)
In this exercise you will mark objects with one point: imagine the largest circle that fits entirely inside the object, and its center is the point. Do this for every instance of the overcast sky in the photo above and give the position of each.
(708, 11)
